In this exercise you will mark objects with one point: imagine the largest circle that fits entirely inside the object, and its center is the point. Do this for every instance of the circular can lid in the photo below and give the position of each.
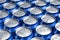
(11, 22)
(36, 38)
(55, 2)
(43, 30)
(55, 37)
(9, 5)
(2, 1)
(24, 4)
(47, 18)
(52, 9)
(4, 34)
(3, 14)
(15, 0)
(57, 26)
(30, 20)
(23, 31)
(35, 10)
(18, 12)
(40, 2)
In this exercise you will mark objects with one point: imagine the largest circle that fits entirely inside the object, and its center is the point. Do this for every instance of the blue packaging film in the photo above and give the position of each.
(29, 19)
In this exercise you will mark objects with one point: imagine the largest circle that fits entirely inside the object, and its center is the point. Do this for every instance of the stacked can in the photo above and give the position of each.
(29, 19)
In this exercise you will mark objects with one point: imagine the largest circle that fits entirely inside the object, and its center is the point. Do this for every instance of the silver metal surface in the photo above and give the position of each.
(2, 1)
(23, 31)
(52, 9)
(55, 2)
(35, 10)
(57, 26)
(9, 5)
(36, 38)
(55, 37)
(40, 2)
(18, 12)
(24, 4)
(30, 20)
(47, 18)
(43, 29)
(15, 0)
(11, 22)
(4, 34)
(3, 14)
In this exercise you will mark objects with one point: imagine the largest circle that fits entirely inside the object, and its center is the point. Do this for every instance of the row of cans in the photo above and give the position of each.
(30, 20)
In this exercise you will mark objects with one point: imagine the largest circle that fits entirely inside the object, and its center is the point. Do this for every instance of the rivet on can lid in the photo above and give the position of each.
(51, 9)
(57, 26)
(11, 22)
(18, 12)
(55, 37)
(24, 4)
(35, 10)
(23, 31)
(3, 13)
(43, 30)
(4, 34)
(9, 5)
(30, 20)
(47, 18)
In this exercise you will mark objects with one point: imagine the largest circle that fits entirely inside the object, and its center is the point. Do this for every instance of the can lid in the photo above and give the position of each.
(30, 20)
(43, 30)
(40, 2)
(11, 22)
(51, 9)
(36, 38)
(57, 26)
(2, 1)
(24, 4)
(47, 18)
(9, 5)
(55, 2)
(3, 14)
(23, 31)
(35, 10)
(55, 37)
(18, 12)
(4, 34)
(15, 0)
